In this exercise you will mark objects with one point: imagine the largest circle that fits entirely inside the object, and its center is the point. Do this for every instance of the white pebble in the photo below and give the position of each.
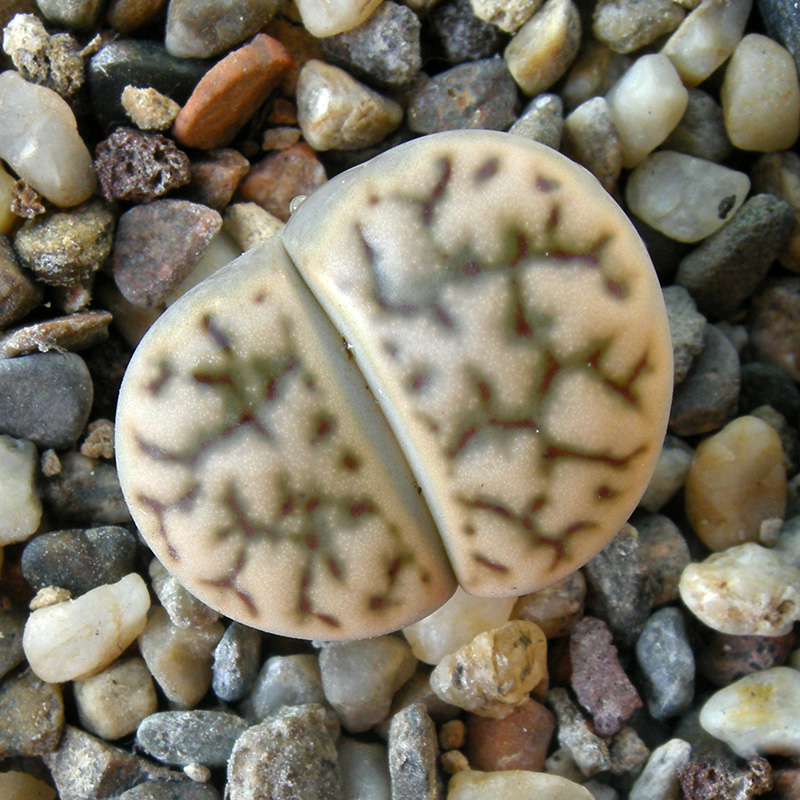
(329, 17)
(20, 507)
(761, 96)
(706, 38)
(76, 639)
(684, 197)
(456, 624)
(40, 141)
(365, 770)
(508, 15)
(646, 103)
(514, 785)
(758, 714)
(747, 590)
(659, 778)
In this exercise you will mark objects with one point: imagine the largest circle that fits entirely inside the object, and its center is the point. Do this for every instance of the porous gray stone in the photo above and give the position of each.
(413, 756)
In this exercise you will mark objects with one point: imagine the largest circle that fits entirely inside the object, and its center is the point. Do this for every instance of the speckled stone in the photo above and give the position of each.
(774, 324)
(79, 560)
(64, 247)
(481, 94)
(665, 554)
(463, 35)
(712, 776)
(413, 752)
(215, 174)
(707, 397)
(236, 662)
(18, 293)
(170, 790)
(781, 23)
(701, 132)
(12, 622)
(157, 245)
(725, 270)
(384, 50)
(184, 609)
(542, 120)
(724, 657)
(575, 734)
(625, 26)
(686, 327)
(33, 716)
(71, 13)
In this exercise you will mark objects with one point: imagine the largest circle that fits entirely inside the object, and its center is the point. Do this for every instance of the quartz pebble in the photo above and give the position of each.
(758, 714)
(514, 785)
(625, 27)
(774, 324)
(495, 672)
(23, 786)
(544, 47)
(236, 662)
(556, 608)
(413, 753)
(735, 483)
(745, 590)
(463, 35)
(148, 109)
(290, 755)
(112, 703)
(184, 609)
(645, 104)
(336, 112)
(724, 657)
(40, 141)
(685, 198)
(365, 770)
(701, 132)
(659, 778)
(78, 638)
(359, 678)
(706, 38)
(542, 120)
(456, 624)
(761, 96)
(167, 649)
(33, 716)
(20, 507)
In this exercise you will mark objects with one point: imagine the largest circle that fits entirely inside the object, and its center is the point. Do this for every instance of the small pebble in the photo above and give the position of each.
(735, 483)
(495, 672)
(170, 790)
(508, 16)
(127, 16)
(230, 93)
(365, 770)
(36, 121)
(417, 689)
(453, 734)
(659, 778)
(336, 112)
(248, 224)
(184, 609)
(359, 678)
(715, 777)
(595, 70)
(148, 109)
(556, 608)
(112, 703)
(157, 245)
(625, 26)
(456, 624)
(646, 103)
(23, 786)
(706, 399)
(576, 735)
(706, 38)
(665, 554)
(686, 326)
(215, 174)
(513, 785)
(64, 247)
(669, 474)
(236, 662)
(544, 47)
(292, 680)
(774, 324)
(724, 657)
(518, 741)
(278, 178)
(8, 218)
(33, 716)
(292, 754)
(45, 397)
(18, 293)
(413, 754)
(760, 96)
(628, 754)
(746, 590)
(463, 35)
(79, 560)
(99, 441)
(167, 649)
(542, 120)
(384, 50)
(71, 13)
(181, 738)
(20, 506)
(480, 94)
(685, 198)
(78, 638)
(701, 132)
(74, 332)
(205, 28)
(758, 714)
(12, 623)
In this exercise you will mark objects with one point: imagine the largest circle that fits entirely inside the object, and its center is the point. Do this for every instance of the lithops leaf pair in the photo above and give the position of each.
(453, 365)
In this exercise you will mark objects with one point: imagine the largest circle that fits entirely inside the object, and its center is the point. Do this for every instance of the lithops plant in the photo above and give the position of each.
(452, 365)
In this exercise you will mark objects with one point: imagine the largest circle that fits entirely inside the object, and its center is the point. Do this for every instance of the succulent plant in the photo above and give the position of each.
(453, 364)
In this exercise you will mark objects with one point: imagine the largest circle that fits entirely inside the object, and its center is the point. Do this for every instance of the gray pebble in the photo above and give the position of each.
(18, 293)
(45, 397)
(701, 131)
(184, 609)
(542, 120)
(290, 755)
(667, 664)
(236, 662)
(384, 50)
(86, 491)
(79, 560)
(664, 553)
(190, 737)
(12, 623)
(670, 472)
(170, 790)
(71, 13)
(725, 270)
(766, 384)
(481, 94)
(628, 25)
(707, 397)
(32, 712)
(575, 734)
(464, 36)
(414, 756)
(686, 327)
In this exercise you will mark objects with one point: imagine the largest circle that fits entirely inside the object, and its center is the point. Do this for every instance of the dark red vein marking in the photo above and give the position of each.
(445, 166)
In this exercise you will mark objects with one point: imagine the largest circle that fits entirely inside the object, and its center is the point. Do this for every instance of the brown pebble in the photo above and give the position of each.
(281, 176)
(519, 741)
(774, 325)
(284, 112)
(18, 293)
(99, 442)
(280, 138)
(599, 682)
(230, 93)
(453, 761)
(452, 734)
(157, 245)
(126, 16)
(710, 777)
(726, 657)
(25, 201)
(75, 332)
(215, 176)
